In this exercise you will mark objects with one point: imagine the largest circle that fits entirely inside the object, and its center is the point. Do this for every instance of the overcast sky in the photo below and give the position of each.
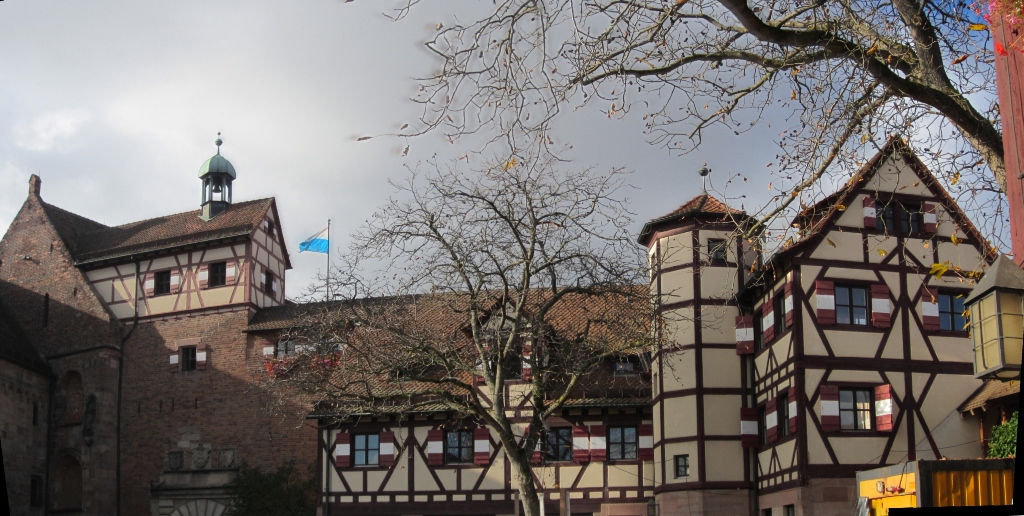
(117, 104)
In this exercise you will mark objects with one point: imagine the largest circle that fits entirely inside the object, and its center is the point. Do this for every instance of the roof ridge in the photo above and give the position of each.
(235, 204)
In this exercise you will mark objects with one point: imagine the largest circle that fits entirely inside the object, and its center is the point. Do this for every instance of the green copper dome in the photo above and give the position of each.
(217, 164)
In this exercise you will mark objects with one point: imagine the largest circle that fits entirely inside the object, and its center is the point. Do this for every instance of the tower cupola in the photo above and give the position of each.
(217, 173)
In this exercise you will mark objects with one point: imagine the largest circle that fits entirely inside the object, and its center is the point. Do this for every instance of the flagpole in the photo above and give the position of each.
(328, 259)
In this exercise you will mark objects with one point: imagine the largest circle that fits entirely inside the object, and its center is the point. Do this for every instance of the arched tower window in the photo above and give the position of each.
(71, 397)
(67, 483)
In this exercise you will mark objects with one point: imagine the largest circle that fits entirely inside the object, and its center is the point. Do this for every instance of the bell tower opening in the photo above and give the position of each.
(217, 174)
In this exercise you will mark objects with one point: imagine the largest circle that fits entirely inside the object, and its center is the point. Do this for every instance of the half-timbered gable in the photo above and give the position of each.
(869, 358)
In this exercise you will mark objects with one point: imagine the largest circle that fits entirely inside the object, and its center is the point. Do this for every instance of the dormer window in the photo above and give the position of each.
(624, 369)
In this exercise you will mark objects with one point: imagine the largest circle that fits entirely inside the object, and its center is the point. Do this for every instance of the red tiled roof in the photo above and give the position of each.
(104, 243)
(703, 204)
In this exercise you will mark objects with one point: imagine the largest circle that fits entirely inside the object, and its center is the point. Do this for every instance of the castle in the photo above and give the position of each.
(127, 358)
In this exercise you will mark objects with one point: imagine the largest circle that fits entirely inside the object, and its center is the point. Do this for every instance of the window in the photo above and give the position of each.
(268, 282)
(682, 466)
(35, 491)
(458, 447)
(622, 443)
(162, 283)
(885, 219)
(366, 449)
(558, 443)
(285, 348)
(35, 413)
(855, 409)
(779, 309)
(911, 219)
(217, 274)
(624, 368)
(782, 416)
(789, 510)
(513, 366)
(188, 358)
(951, 312)
(717, 250)
(851, 305)
(271, 229)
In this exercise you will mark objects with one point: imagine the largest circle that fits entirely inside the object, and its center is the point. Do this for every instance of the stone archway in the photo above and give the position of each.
(200, 508)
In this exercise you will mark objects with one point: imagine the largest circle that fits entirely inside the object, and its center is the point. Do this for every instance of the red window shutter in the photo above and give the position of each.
(201, 355)
(771, 420)
(825, 296)
(787, 304)
(646, 442)
(175, 281)
(881, 308)
(745, 335)
(580, 444)
(435, 447)
(930, 308)
(342, 450)
(598, 443)
(931, 220)
(748, 427)
(230, 273)
(829, 395)
(883, 408)
(768, 323)
(204, 276)
(527, 361)
(791, 398)
(481, 446)
(869, 212)
(149, 284)
(175, 358)
(386, 450)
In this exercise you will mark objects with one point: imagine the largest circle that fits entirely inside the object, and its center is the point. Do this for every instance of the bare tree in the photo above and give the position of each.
(517, 278)
(832, 75)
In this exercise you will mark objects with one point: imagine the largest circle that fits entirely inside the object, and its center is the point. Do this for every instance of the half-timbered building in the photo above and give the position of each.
(142, 325)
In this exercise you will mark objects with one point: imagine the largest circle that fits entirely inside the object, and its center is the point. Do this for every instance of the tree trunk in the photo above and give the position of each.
(527, 490)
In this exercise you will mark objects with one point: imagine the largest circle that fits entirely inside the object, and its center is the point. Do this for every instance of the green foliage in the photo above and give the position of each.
(285, 492)
(1004, 439)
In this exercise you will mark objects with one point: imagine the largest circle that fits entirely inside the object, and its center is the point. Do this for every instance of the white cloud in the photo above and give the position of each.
(47, 131)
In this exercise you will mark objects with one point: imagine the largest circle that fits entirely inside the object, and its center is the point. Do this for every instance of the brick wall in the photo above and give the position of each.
(211, 414)
(75, 332)
(24, 443)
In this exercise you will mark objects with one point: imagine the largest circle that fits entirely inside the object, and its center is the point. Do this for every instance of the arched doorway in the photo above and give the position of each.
(67, 483)
(200, 508)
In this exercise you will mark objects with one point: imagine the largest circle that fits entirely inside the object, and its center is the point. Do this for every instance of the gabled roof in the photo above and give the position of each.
(701, 205)
(69, 226)
(105, 243)
(15, 346)
(823, 214)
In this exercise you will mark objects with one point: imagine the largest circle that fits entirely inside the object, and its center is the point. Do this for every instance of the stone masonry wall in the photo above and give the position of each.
(24, 443)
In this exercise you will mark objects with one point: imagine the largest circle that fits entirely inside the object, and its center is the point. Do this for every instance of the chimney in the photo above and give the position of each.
(33, 185)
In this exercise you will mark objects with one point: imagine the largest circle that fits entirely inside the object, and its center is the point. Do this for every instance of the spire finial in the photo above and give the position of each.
(218, 142)
(704, 171)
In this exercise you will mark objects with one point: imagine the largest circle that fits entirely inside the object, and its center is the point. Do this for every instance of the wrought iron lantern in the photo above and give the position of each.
(652, 507)
(996, 308)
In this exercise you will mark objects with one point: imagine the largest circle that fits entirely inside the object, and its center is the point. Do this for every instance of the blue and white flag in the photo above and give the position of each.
(317, 243)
